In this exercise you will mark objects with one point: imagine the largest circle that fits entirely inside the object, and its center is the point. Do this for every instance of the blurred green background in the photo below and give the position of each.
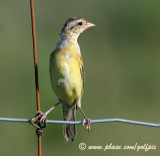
(122, 65)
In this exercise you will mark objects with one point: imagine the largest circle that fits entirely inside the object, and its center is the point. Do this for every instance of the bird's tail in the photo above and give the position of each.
(69, 114)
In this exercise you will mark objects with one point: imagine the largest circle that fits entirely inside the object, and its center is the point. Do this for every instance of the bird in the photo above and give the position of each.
(67, 75)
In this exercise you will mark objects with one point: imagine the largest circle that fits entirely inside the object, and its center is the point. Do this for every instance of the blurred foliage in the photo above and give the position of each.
(121, 57)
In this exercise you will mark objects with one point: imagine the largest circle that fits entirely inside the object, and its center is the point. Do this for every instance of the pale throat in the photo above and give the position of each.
(69, 36)
(69, 39)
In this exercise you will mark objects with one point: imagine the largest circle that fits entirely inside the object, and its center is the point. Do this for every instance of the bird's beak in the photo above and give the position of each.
(88, 25)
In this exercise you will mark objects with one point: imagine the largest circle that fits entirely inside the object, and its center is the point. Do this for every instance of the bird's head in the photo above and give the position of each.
(74, 26)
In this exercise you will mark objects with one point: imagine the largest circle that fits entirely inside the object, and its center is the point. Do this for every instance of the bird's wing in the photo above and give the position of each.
(51, 59)
(82, 74)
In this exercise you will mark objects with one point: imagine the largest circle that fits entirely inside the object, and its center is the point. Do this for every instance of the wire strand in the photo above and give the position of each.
(81, 122)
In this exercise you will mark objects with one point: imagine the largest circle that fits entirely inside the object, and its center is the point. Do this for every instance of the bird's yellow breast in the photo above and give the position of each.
(66, 76)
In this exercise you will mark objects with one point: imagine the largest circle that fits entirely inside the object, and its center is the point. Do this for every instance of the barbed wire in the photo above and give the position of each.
(81, 122)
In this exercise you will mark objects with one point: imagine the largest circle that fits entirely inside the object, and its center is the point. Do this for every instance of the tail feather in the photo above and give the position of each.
(69, 114)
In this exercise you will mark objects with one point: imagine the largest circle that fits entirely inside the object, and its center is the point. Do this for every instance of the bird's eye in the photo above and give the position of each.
(80, 23)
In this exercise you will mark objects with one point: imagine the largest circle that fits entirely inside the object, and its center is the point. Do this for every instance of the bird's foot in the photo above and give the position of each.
(40, 119)
(87, 124)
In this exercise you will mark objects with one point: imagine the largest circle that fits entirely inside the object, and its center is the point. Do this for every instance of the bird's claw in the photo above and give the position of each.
(43, 118)
(87, 124)
(40, 119)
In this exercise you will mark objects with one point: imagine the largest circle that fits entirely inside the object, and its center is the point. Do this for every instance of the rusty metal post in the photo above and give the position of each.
(36, 68)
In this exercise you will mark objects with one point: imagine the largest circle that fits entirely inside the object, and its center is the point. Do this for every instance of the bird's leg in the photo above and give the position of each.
(85, 119)
(41, 117)
(44, 115)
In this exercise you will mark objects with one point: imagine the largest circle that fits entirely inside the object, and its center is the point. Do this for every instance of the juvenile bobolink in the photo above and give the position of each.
(67, 74)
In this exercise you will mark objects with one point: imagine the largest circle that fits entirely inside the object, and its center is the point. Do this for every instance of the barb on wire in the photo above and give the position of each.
(81, 122)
